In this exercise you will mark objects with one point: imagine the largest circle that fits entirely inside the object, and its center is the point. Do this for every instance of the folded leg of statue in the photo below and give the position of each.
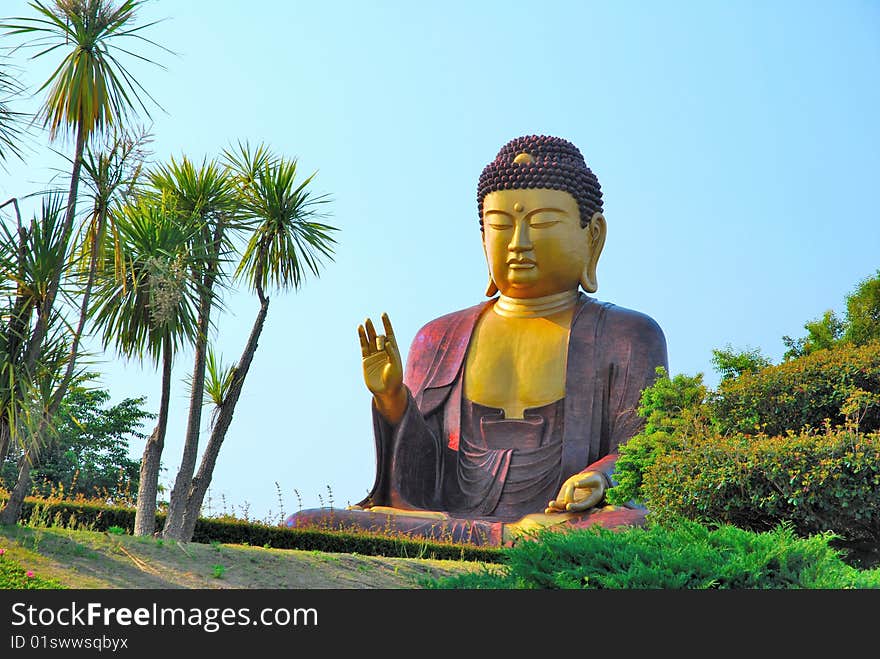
(441, 526)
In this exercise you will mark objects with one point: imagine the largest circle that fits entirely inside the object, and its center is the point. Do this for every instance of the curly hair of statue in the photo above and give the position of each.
(542, 161)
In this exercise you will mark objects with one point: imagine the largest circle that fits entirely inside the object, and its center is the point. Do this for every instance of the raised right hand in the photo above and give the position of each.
(383, 369)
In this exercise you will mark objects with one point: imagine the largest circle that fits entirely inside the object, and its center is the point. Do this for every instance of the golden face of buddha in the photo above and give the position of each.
(535, 244)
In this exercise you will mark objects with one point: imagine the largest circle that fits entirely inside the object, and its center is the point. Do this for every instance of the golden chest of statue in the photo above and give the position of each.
(516, 363)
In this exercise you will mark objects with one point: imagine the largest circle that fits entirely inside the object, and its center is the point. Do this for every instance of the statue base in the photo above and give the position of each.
(442, 527)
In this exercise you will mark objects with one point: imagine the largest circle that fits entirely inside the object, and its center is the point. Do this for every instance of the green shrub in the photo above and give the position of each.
(818, 481)
(233, 531)
(674, 410)
(801, 393)
(795, 441)
(682, 555)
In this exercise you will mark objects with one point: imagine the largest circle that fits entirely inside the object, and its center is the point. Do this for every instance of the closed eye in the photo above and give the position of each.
(542, 218)
(500, 226)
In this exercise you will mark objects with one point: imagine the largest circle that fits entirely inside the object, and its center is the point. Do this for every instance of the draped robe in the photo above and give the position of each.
(613, 354)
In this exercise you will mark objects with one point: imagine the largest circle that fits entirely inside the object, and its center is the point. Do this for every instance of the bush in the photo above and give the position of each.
(682, 555)
(674, 410)
(801, 393)
(796, 441)
(818, 481)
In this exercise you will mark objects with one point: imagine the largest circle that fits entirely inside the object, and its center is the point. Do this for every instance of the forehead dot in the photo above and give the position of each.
(518, 207)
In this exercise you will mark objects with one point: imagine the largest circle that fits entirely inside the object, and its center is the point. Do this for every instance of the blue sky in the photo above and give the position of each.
(736, 144)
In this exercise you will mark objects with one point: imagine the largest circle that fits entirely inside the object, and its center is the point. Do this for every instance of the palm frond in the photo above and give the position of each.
(90, 89)
(110, 173)
(12, 125)
(218, 380)
(43, 253)
(286, 242)
(155, 301)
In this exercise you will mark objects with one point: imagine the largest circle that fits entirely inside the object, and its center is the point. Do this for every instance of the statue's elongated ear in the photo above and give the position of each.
(596, 231)
(491, 288)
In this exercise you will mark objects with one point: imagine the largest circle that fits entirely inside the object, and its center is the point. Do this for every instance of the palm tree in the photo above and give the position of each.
(30, 257)
(286, 242)
(89, 91)
(150, 312)
(31, 427)
(111, 174)
(203, 195)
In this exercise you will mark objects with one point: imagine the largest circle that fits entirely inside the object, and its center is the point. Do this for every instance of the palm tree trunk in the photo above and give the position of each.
(199, 485)
(23, 484)
(177, 505)
(202, 481)
(63, 386)
(12, 510)
(4, 439)
(19, 319)
(145, 514)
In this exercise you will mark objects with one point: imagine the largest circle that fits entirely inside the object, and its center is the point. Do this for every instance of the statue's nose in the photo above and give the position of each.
(521, 240)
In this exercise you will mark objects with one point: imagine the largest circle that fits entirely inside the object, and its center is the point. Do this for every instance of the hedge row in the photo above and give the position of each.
(98, 517)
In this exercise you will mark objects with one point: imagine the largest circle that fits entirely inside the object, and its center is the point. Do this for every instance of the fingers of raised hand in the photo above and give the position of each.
(371, 333)
(372, 342)
(386, 322)
(365, 344)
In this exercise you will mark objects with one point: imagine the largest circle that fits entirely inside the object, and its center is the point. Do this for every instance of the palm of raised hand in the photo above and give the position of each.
(383, 369)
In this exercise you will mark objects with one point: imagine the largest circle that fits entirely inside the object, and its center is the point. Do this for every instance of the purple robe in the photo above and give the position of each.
(613, 354)
(424, 463)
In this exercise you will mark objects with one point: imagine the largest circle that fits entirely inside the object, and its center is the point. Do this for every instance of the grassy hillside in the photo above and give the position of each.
(88, 559)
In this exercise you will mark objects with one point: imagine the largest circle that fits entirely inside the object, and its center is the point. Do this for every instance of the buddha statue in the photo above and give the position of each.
(509, 414)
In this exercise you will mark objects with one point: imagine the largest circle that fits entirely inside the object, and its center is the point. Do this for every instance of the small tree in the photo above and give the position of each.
(822, 333)
(286, 242)
(150, 311)
(202, 195)
(89, 456)
(30, 257)
(863, 311)
(731, 363)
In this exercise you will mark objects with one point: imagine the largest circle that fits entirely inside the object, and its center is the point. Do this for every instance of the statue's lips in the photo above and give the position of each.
(520, 265)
